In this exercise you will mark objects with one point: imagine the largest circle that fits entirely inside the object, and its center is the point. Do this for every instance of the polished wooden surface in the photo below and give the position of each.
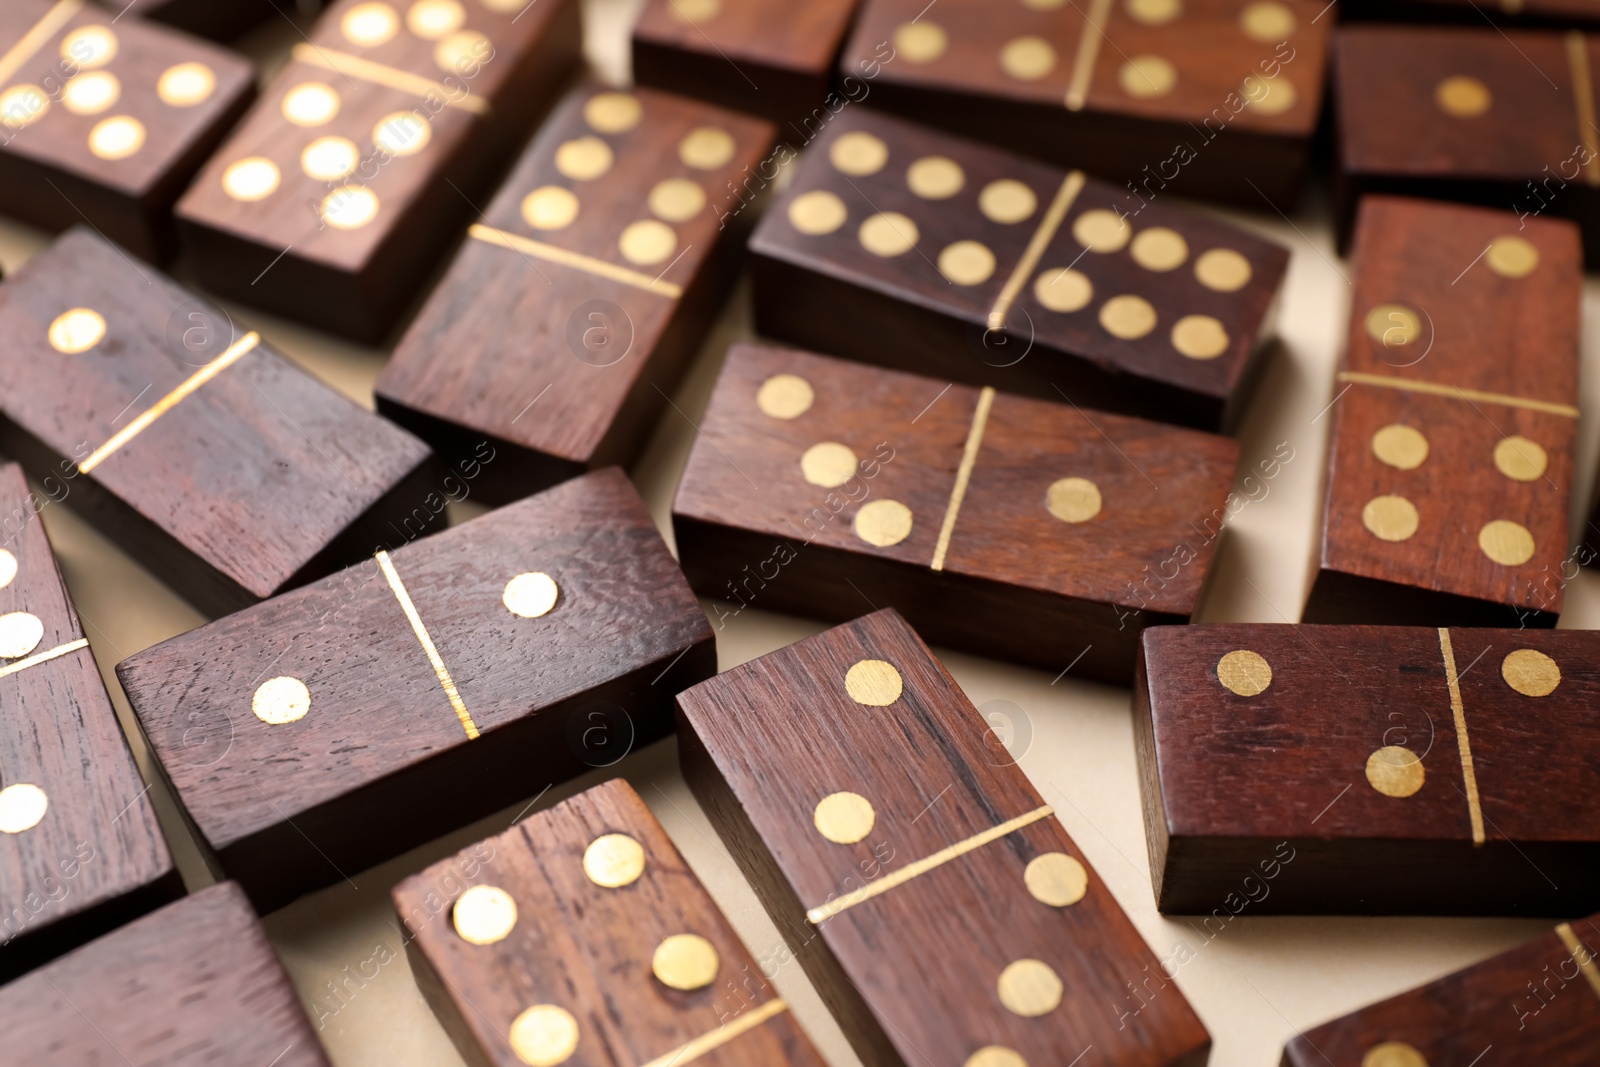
(908, 305)
(1381, 770)
(581, 946)
(192, 985)
(345, 252)
(1520, 139)
(762, 517)
(95, 857)
(373, 767)
(1215, 99)
(561, 350)
(922, 963)
(767, 57)
(1254, 984)
(1534, 1004)
(117, 147)
(297, 480)
(1451, 450)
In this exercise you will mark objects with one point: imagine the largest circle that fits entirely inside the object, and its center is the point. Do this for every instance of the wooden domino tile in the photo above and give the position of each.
(409, 695)
(106, 120)
(582, 292)
(814, 483)
(1452, 435)
(526, 943)
(1214, 99)
(151, 398)
(769, 57)
(907, 248)
(333, 200)
(193, 985)
(1499, 117)
(1369, 769)
(80, 850)
(1538, 1003)
(889, 837)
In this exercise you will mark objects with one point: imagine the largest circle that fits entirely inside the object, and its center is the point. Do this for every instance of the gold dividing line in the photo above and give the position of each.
(1468, 774)
(923, 866)
(1583, 94)
(43, 657)
(1088, 49)
(693, 1050)
(1455, 392)
(1035, 251)
(575, 260)
(969, 459)
(1581, 956)
(445, 681)
(382, 74)
(34, 39)
(171, 400)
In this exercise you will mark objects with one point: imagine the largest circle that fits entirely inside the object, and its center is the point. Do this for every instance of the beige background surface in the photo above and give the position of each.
(1254, 985)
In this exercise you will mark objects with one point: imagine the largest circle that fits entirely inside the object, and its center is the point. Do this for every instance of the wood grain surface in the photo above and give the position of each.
(901, 308)
(345, 252)
(1361, 780)
(96, 858)
(1255, 986)
(1534, 1004)
(765, 516)
(560, 351)
(383, 759)
(92, 126)
(917, 965)
(297, 479)
(193, 985)
(768, 57)
(1516, 139)
(1452, 438)
(587, 949)
(1215, 98)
